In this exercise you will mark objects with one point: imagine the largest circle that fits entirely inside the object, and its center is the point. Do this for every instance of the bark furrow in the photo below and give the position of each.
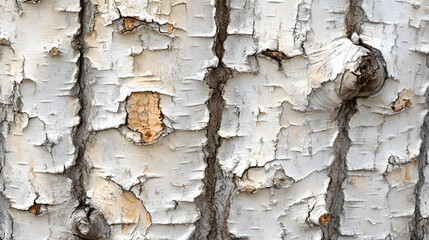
(218, 186)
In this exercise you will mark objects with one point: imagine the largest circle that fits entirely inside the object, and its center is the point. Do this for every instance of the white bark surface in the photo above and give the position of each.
(214, 119)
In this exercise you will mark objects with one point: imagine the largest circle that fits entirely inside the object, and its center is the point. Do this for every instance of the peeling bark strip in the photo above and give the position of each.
(378, 160)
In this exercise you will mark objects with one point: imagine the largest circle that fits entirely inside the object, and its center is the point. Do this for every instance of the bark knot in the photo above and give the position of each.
(90, 224)
(365, 77)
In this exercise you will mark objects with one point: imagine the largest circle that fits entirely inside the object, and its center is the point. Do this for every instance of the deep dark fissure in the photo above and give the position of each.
(84, 215)
(338, 171)
(214, 203)
(419, 228)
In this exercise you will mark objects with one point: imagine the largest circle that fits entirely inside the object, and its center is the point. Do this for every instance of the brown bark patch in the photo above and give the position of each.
(325, 219)
(130, 204)
(4, 41)
(54, 51)
(407, 172)
(129, 24)
(144, 115)
(403, 101)
(170, 28)
(35, 209)
(275, 55)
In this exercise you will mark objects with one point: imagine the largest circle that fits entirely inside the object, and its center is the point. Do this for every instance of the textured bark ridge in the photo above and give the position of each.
(214, 119)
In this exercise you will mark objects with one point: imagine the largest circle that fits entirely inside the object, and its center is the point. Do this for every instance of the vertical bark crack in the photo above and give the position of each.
(7, 115)
(80, 133)
(6, 221)
(218, 186)
(355, 18)
(93, 221)
(419, 228)
(338, 171)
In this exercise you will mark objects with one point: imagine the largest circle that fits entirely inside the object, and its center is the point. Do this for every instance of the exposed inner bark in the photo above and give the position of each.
(144, 115)
(275, 55)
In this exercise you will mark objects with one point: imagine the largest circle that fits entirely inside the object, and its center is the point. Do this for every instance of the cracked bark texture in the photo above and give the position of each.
(214, 119)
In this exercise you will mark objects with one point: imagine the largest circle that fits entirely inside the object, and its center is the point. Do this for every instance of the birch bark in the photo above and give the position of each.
(214, 119)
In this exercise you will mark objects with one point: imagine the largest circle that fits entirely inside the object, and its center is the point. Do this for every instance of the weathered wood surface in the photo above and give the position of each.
(204, 119)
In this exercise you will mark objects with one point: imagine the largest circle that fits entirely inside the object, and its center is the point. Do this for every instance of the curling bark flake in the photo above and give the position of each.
(214, 119)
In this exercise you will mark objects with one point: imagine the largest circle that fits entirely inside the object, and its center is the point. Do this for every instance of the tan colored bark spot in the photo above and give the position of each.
(129, 24)
(170, 28)
(274, 54)
(325, 219)
(130, 204)
(75, 45)
(4, 41)
(119, 206)
(403, 101)
(144, 115)
(249, 189)
(35, 209)
(406, 173)
(54, 51)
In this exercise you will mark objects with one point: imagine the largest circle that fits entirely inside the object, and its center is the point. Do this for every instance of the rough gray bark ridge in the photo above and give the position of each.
(420, 229)
(218, 186)
(338, 172)
(214, 119)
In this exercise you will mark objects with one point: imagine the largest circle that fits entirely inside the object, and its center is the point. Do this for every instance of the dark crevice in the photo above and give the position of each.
(6, 221)
(214, 203)
(80, 134)
(274, 54)
(420, 227)
(369, 84)
(7, 115)
(355, 18)
(94, 223)
(338, 171)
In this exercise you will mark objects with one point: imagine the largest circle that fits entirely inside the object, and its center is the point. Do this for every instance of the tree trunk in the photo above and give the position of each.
(214, 119)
